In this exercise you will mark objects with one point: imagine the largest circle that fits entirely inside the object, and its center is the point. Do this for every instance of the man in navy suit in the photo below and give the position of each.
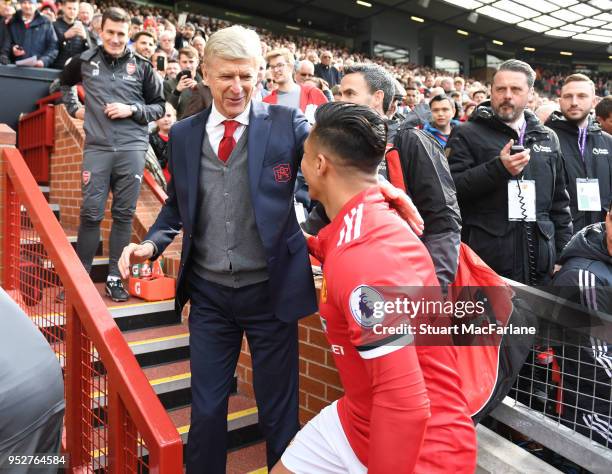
(244, 263)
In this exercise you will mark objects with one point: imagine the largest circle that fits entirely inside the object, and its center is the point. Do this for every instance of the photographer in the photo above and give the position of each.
(72, 36)
(179, 91)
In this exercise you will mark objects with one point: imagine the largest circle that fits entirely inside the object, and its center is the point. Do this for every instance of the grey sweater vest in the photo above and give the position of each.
(227, 246)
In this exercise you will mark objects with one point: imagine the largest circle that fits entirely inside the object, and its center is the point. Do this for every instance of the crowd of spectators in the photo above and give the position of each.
(303, 73)
(51, 32)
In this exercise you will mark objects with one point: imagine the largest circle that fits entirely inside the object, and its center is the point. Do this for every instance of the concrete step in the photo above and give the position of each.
(33, 246)
(138, 314)
(159, 344)
(242, 425)
(45, 190)
(131, 315)
(498, 455)
(245, 446)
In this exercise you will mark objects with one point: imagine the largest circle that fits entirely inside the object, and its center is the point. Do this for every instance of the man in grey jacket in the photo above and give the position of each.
(122, 95)
(31, 393)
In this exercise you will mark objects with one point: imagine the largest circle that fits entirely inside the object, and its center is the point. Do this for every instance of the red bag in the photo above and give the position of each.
(488, 371)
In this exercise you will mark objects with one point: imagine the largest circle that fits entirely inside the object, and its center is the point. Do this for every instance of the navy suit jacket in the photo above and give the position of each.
(276, 137)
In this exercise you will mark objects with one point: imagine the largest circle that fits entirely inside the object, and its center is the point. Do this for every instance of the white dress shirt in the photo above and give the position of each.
(215, 127)
(518, 124)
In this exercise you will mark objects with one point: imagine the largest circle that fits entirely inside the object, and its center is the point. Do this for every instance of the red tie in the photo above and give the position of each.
(227, 142)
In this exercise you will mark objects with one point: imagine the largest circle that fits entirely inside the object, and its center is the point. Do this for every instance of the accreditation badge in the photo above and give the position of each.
(587, 194)
(521, 200)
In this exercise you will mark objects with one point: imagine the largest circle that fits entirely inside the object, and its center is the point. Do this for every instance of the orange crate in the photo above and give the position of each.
(152, 289)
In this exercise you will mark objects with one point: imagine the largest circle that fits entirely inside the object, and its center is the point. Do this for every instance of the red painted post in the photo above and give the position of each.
(76, 351)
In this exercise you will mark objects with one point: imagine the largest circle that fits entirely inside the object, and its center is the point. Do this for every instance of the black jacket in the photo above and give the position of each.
(181, 100)
(328, 73)
(160, 148)
(38, 40)
(69, 47)
(129, 79)
(587, 268)
(430, 185)
(5, 42)
(512, 249)
(586, 278)
(597, 164)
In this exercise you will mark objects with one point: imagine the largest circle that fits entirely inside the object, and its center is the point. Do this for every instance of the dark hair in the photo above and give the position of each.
(604, 108)
(355, 133)
(145, 33)
(172, 61)
(135, 20)
(440, 98)
(377, 79)
(515, 65)
(115, 14)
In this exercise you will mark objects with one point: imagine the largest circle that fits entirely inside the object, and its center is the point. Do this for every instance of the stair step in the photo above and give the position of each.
(33, 245)
(138, 314)
(243, 433)
(250, 460)
(242, 421)
(25, 216)
(45, 190)
(159, 344)
(99, 271)
(133, 314)
(171, 382)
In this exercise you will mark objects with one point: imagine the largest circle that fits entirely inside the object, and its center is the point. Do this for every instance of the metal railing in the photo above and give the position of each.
(114, 421)
(562, 398)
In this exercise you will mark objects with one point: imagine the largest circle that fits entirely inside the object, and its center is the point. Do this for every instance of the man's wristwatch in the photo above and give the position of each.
(134, 109)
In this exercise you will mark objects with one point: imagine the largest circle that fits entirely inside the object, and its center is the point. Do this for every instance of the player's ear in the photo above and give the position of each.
(322, 164)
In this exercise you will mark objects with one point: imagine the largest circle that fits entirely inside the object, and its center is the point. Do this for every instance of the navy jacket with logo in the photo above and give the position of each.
(276, 136)
(129, 79)
(597, 164)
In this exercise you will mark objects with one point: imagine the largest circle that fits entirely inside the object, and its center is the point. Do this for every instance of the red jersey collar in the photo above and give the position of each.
(367, 196)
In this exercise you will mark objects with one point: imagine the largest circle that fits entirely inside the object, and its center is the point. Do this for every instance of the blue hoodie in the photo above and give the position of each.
(440, 137)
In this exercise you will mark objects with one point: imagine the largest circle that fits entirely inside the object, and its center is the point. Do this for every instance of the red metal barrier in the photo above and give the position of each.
(160, 194)
(113, 417)
(36, 135)
(35, 140)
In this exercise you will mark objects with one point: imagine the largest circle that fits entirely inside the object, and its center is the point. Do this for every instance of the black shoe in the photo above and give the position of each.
(115, 290)
(61, 297)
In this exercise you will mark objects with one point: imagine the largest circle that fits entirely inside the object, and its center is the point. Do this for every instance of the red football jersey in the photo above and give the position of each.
(388, 382)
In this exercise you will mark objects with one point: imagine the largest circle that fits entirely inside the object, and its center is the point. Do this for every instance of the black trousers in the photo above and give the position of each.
(219, 316)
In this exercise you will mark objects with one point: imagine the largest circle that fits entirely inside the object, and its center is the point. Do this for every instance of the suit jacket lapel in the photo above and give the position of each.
(193, 152)
(259, 132)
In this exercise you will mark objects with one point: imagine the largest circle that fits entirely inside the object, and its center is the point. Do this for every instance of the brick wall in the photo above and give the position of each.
(7, 139)
(319, 381)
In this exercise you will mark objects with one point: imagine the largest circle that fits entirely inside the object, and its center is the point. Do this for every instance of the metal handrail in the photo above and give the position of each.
(130, 395)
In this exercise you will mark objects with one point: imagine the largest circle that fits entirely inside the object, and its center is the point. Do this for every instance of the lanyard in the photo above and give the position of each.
(522, 134)
(582, 137)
